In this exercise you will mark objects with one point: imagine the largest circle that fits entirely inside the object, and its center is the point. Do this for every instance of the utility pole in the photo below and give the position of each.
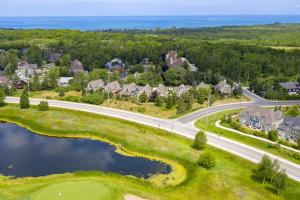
(208, 104)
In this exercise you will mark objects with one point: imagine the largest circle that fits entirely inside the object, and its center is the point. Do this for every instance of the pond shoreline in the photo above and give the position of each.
(177, 170)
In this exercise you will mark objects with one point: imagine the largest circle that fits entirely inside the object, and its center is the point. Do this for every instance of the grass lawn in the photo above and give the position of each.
(209, 125)
(231, 178)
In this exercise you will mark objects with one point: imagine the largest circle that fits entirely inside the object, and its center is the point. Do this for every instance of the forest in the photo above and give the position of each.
(241, 54)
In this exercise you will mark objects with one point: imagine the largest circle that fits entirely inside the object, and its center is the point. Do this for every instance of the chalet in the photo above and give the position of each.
(148, 90)
(130, 89)
(223, 88)
(64, 81)
(115, 65)
(261, 118)
(290, 128)
(76, 67)
(292, 87)
(95, 85)
(113, 87)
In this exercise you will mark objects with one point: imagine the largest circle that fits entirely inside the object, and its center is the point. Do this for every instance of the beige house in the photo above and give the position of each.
(162, 90)
(95, 85)
(130, 89)
(180, 90)
(113, 87)
(223, 88)
(148, 90)
(261, 118)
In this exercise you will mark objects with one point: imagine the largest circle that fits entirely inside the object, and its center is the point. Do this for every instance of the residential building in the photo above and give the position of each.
(113, 87)
(223, 88)
(4, 81)
(162, 90)
(130, 89)
(115, 65)
(290, 128)
(292, 87)
(76, 67)
(173, 61)
(95, 85)
(148, 90)
(26, 70)
(202, 85)
(64, 81)
(261, 118)
(180, 90)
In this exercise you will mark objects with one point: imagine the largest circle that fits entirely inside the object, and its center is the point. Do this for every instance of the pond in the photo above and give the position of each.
(26, 154)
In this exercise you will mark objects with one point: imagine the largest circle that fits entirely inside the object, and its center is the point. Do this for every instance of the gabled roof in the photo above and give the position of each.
(95, 85)
(290, 85)
(203, 85)
(291, 123)
(146, 89)
(4, 80)
(76, 66)
(113, 87)
(161, 89)
(129, 89)
(269, 115)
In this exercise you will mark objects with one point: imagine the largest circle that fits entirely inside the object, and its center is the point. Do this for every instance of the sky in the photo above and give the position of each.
(147, 7)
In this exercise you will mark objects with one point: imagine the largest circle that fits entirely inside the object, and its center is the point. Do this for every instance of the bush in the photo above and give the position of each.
(273, 135)
(200, 141)
(70, 98)
(24, 100)
(95, 99)
(43, 106)
(61, 93)
(143, 97)
(207, 161)
(141, 109)
(2, 97)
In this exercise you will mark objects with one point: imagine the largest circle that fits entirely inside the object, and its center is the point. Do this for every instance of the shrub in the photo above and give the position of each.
(141, 109)
(207, 161)
(2, 97)
(200, 141)
(70, 98)
(43, 106)
(273, 135)
(24, 100)
(143, 97)
(95, 99)
(61, 93)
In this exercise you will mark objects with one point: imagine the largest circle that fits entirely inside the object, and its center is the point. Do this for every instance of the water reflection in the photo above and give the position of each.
(24, 154)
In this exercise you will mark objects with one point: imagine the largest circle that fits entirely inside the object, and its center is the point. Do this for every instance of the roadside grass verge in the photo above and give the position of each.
(208, 124)
(231, 178)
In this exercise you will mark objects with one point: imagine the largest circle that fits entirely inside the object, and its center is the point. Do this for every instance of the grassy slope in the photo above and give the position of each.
(210, 126)
(230, 179)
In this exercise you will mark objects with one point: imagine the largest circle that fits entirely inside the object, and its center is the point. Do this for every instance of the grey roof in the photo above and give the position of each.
(95, 85)
(113, 87)
(115, 64)
(146, 89)
(181, 89)
(4, 80)
(76, 66)
(162, 90)
(129, 89)
(269, 115)
(291, 123)
(222, 84)
(203, 85)
(290, 85)
(24, 65)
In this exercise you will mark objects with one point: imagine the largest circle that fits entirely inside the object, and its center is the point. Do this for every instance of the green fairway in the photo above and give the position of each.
(76, 191)
(230, 179)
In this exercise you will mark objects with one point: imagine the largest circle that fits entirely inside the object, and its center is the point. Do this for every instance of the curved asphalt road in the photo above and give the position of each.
(185, 126)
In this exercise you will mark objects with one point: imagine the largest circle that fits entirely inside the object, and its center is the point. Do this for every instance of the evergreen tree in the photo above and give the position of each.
(24, 100)
(35, 85)
(200, 141)
(273, 135)
(181, 106)
(159, 101)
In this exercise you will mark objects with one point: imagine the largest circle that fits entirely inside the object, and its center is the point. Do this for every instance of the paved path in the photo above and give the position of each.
(184, 126)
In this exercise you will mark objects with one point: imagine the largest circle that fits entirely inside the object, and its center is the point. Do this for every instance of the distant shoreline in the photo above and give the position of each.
(87, 23)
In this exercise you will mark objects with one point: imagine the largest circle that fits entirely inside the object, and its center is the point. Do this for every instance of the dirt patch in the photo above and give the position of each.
(132, 197)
